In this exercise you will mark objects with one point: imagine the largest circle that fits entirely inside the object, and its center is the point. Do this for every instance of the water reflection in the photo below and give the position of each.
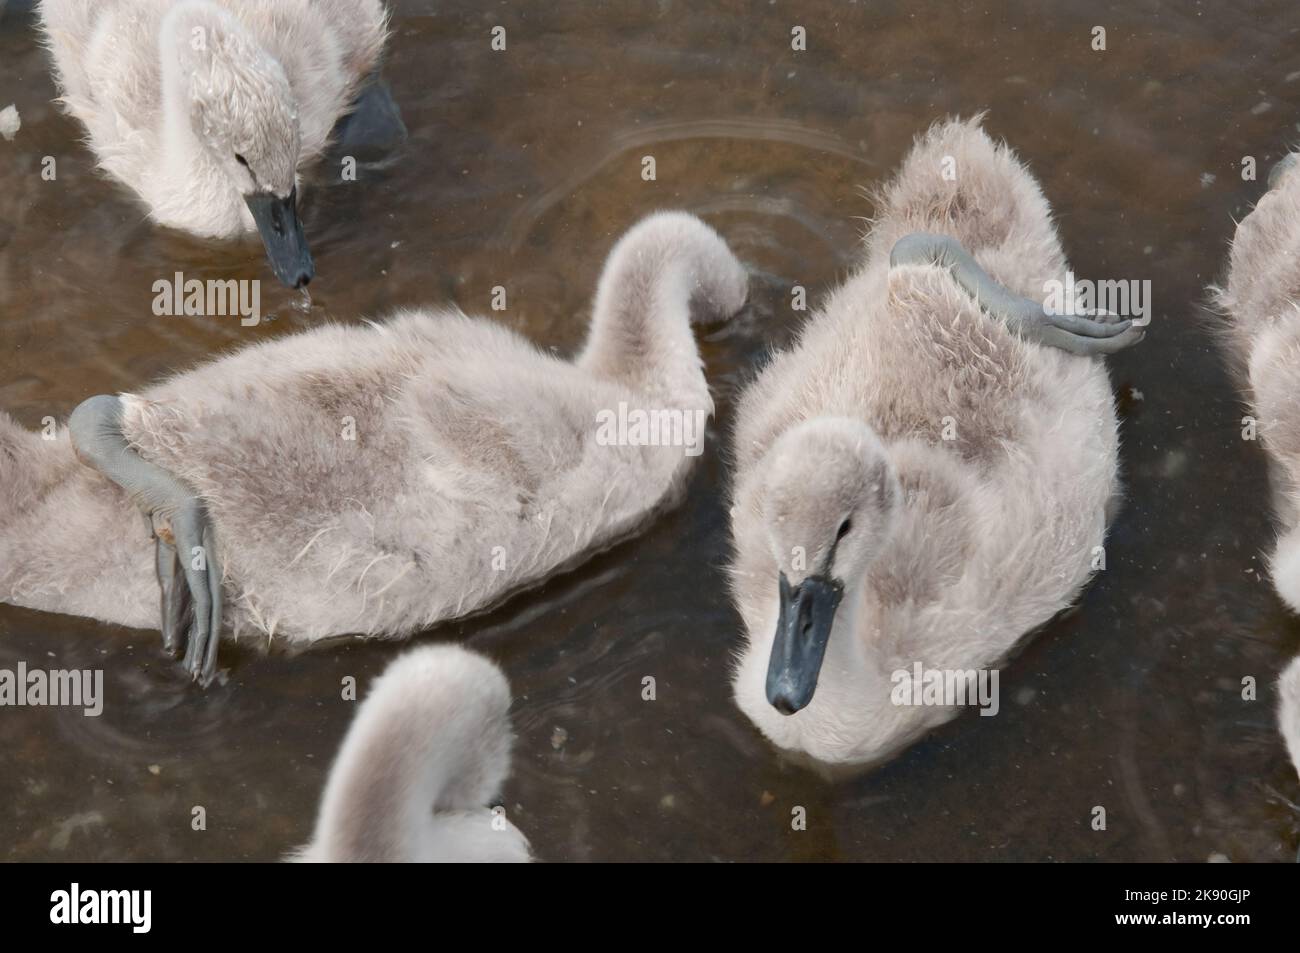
(521, 169)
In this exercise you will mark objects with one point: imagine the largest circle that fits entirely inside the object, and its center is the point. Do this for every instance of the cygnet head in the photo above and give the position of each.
(829, 500)
(244, 115)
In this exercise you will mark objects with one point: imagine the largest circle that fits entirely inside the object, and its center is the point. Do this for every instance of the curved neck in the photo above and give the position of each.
(181, 149)
(378, 803)
(641, 334)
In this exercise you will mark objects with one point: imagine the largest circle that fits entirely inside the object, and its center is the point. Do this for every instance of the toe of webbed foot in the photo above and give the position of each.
(1078, 333)
(194, 593)
(1086, 335)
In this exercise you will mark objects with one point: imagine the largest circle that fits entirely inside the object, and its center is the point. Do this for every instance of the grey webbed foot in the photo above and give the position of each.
(174, 597)
(1030, 320)
(189, 573)
(198, 552)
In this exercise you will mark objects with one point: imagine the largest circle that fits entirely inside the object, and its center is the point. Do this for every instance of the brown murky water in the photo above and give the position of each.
(521, 169)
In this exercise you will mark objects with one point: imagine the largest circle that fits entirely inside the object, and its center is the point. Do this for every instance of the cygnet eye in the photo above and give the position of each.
(241, 160)
(844, 530)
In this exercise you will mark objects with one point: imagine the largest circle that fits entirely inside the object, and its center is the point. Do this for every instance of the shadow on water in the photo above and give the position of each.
(521, 169)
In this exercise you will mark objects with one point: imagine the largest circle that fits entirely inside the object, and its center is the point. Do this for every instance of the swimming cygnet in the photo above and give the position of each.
(1261, 299)
(415, 777)
(373, 478)
(207, 109)
(926, 476)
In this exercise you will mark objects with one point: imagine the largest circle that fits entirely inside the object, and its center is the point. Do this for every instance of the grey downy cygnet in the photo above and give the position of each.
(208, 109)
(926, 476)
(374, 478)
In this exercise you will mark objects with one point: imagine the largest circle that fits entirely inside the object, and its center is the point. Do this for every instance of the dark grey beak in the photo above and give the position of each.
(803, 628)
(286, 248)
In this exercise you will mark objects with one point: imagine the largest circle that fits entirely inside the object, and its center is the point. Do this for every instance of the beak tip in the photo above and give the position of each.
(296, 275)
(277, 222)
(784, 706)
(784, 701)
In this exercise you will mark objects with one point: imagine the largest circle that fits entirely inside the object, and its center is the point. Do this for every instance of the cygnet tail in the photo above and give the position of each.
(957, 181)
(640, 329)
(70, 541)
(432, 738)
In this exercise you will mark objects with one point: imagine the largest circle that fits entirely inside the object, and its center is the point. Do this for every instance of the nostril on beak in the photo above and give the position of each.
(306, 272)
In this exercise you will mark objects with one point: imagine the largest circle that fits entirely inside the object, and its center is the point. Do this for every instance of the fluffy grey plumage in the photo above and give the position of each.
(476, 467)
(1288, 711)
(949, 551)
(1261, 298)
(414, 778)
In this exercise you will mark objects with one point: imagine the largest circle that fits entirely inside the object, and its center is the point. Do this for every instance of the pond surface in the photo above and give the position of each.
(521, 169)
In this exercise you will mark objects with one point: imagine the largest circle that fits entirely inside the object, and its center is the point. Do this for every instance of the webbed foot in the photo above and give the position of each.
(1030, 320)
(1078, 334)
(189, 573)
